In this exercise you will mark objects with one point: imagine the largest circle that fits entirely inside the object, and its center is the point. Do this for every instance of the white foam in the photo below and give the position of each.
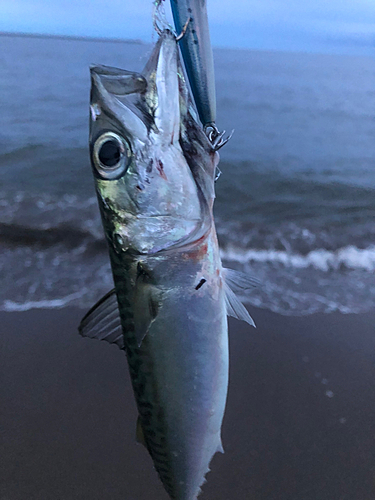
(321, 259)
(11, 306)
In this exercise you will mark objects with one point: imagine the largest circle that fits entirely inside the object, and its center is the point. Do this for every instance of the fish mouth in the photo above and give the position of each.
(148, 100)
(165, 85)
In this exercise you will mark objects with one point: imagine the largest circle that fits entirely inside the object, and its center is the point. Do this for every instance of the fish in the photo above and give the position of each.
(154, 171)
(190, 17)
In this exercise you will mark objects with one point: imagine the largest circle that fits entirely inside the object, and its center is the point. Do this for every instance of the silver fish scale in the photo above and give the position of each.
(141, 373)
(163, 444)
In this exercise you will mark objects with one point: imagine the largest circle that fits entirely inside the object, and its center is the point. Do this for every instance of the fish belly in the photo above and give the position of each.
(180, 380)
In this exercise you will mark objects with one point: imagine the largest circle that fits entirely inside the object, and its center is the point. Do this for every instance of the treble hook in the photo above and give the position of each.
(218, 173)
(183, 31)
(215, 137)
(159, 17)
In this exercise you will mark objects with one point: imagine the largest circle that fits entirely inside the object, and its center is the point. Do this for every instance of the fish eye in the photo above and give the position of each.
(111, 155)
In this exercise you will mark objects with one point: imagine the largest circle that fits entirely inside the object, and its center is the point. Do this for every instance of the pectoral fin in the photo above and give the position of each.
(147, 301)
(146, 307)
(236, 281)
(239, 281)
(103, 321)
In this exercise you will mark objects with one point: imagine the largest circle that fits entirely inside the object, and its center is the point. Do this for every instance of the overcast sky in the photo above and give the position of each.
(346, 26)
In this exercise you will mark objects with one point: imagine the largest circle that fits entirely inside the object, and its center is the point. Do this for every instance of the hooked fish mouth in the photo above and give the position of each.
(161, 100)
(146, 101)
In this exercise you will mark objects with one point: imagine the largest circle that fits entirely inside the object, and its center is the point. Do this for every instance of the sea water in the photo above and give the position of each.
(295, 202)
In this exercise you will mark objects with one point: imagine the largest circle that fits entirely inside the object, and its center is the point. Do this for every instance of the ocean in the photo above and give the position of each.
(295, 202)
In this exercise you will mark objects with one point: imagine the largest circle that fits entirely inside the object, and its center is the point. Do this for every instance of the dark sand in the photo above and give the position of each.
(300, 420)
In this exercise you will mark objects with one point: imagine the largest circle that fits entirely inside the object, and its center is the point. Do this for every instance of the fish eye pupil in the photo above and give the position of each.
(110, 153)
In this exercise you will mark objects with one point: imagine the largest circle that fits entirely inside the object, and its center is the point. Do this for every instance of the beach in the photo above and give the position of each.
(299, 423)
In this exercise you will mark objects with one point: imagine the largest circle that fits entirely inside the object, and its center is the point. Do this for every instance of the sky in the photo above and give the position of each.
(332, 26)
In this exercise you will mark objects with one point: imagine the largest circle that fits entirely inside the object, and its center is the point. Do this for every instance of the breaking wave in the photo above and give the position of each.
(11, 306)
(309, 243)
(349, 257)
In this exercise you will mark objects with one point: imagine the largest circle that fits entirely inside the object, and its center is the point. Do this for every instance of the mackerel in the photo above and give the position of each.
(154, 171)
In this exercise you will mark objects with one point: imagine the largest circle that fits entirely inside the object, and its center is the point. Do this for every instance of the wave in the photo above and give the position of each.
(39, 151)
(91, 237)
(349, 257)
(11, 306)
(290, 283)
(70, 237)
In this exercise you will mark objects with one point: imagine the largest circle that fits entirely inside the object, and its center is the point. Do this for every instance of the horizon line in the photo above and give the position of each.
(138, 41)
(78, 38)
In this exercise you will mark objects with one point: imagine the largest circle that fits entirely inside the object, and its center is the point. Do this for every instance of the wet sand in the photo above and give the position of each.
(300, 420)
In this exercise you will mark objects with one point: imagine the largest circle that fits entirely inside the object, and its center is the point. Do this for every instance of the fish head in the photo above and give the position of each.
(147, 179)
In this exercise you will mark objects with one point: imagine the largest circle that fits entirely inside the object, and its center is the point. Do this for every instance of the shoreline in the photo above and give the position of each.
(298, 425)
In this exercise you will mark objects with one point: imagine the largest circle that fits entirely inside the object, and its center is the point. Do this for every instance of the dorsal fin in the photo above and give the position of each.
(103, 321)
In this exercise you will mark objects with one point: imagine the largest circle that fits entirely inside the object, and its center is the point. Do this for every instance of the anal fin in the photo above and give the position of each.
(139, 434)
(220, 448)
